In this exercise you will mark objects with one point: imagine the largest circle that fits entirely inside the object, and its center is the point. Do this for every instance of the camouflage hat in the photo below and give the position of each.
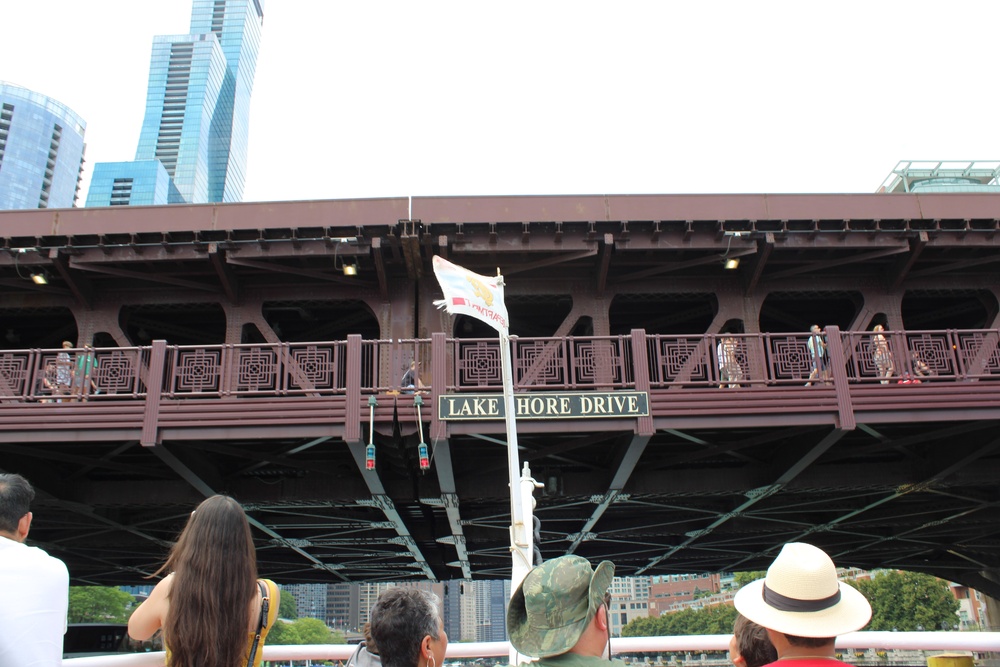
(553, 605)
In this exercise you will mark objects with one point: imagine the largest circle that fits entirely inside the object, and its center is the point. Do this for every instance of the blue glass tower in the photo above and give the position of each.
(41, 150)
(196, 126)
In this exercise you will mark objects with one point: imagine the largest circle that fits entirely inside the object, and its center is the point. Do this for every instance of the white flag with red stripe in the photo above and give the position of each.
(468, 293)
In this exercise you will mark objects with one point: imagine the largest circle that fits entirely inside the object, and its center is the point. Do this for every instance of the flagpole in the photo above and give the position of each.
(521, 529)
(470, 294)
(520, 513)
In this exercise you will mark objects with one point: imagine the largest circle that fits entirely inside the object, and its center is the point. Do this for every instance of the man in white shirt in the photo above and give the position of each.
(35, 586)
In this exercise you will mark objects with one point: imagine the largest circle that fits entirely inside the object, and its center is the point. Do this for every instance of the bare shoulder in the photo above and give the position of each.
(148, 616)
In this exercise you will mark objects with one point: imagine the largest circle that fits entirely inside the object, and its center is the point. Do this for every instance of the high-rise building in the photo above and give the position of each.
(310, 599)
(452, 609)
(41, 150)
(491, 606)
(468, 630)
(343, 606)
(193, 142)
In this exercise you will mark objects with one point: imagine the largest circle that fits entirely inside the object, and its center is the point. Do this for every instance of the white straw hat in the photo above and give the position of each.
(802, 596)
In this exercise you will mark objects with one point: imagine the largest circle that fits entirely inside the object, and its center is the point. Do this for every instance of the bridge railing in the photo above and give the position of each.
(581, 362)
(769, 359)
(334, 368)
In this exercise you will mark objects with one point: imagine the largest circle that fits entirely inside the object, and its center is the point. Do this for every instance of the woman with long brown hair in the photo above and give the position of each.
(213, 610)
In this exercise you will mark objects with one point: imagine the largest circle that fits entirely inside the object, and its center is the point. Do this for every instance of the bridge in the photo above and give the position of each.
(235, 356)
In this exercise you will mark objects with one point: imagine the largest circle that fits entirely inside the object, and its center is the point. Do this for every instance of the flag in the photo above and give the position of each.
(468, 293)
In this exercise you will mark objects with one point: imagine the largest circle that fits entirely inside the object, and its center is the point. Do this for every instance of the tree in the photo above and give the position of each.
(287, 607)
(99, 604)
(303, 631)
(715, 620)
(907, 601)
(313, 631)
(283, 633)
(741, 579)
(642, 627)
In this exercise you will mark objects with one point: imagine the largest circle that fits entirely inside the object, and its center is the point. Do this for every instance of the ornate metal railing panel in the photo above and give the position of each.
(542, 363)
(287, 369)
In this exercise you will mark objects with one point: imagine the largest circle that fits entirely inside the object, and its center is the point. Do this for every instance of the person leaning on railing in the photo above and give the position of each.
(213, 610)
(410, 381)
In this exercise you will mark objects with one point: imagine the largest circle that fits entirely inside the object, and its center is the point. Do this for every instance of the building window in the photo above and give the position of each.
(121, 192)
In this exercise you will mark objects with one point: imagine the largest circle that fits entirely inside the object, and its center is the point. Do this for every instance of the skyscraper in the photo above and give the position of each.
(491, 606)
(193, 143)
(41, 150)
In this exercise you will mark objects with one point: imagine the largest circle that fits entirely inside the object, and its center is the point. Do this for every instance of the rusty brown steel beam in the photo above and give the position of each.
(603, 263)
(139, 275)
(345, 214)
(765, 246)
(897, 273)
(746, 211)
(274, 267)
(668, 267)
(819, 267)
(78, 284)
(380, 273)
(738, 208)
(952, 266)
(227, 277)
(551, 261)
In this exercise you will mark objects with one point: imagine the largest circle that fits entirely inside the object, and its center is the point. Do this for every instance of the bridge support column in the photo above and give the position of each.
(101, 318)
(992, 621)
(891, 305)
(352, 413)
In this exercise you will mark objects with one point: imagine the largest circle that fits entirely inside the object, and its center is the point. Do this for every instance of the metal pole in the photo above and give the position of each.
(520, 512)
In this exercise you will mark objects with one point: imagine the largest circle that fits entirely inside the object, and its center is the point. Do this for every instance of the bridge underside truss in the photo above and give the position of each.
(911, 496)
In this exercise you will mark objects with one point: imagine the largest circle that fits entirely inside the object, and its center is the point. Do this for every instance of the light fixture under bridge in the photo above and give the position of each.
(348, 269)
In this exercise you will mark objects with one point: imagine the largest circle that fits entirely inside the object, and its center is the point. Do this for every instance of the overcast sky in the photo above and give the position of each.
(372, 99)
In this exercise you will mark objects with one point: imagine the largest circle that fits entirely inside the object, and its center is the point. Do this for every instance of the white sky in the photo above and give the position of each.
(372, 99)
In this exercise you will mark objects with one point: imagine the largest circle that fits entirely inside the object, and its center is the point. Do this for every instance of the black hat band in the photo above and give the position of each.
(782, 603)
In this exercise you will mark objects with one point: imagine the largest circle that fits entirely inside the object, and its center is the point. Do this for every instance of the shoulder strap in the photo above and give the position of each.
(265, 602)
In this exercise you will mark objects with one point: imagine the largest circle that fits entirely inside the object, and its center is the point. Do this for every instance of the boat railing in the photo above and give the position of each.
(632, 648)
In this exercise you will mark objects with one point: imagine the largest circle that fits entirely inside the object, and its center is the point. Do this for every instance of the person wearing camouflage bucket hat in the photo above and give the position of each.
(559, 614)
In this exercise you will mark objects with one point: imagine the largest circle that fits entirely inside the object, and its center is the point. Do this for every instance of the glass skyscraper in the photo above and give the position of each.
(193, 142)
(41, 150)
